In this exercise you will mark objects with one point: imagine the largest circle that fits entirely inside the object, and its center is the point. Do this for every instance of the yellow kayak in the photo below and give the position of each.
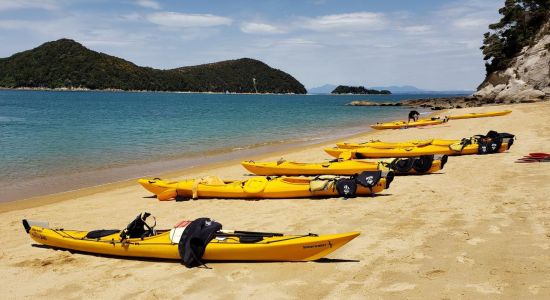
(367, 152)
(236, 246)
(480, 115)
(266, 188)
(340, 167)
(405, 124)
(386, 145)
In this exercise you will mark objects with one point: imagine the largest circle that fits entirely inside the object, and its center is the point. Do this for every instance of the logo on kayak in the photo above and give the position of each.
(323, 245)
(346, 189)
(370, 180)
(37, 234)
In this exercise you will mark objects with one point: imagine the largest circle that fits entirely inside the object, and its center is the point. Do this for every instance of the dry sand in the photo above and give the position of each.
(478, 229)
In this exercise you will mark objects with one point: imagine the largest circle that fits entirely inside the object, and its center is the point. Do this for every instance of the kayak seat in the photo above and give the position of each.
(250, 239)
(96, 234)
(255, 185)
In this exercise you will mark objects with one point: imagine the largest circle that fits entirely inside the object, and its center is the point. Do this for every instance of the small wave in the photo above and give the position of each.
(6, 120)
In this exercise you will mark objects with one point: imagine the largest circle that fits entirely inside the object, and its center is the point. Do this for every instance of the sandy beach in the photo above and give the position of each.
(480, 228)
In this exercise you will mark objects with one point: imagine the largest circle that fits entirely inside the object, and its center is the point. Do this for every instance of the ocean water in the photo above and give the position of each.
(59, 134)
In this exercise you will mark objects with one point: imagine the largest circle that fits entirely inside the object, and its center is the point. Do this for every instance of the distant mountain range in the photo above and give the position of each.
(402, 89)
(67, 64)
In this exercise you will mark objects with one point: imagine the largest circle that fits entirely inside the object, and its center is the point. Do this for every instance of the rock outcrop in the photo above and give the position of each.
(526, 79)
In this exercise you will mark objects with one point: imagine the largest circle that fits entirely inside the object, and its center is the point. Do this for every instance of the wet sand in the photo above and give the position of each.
(480, 228)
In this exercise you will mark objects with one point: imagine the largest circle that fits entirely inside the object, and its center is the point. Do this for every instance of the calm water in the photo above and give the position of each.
(44, 133)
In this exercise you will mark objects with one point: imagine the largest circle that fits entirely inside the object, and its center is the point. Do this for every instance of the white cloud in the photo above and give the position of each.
(416, 29)
(471, 22)
(297, 42)
(359, 21)
(28, 4)
(260, 28)
(131, 17)
(174, 19)
(148, 4)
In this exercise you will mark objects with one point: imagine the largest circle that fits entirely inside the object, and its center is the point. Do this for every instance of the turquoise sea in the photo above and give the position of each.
(63, 135)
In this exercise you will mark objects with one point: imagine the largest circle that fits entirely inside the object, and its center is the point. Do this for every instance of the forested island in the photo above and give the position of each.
(66, 64)
(361, 90)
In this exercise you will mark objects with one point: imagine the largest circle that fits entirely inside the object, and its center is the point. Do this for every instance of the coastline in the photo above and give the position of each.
(214, 160)
(21, 183)
(78, 89)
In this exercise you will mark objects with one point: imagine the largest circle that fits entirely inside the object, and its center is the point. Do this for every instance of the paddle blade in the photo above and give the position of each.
(167, 195)
(346, 155)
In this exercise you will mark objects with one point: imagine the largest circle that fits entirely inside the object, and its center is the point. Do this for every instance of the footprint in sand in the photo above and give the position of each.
(434, 274)
(237, 275)
(39, 263)
(398, 287)
(463, 258)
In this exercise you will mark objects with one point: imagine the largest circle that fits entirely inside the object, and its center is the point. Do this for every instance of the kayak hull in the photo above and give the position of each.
(278, 248)
(368, 152)
(387, 145)
(405, 124)
(277, 188)
(344, 167)
(480, 115)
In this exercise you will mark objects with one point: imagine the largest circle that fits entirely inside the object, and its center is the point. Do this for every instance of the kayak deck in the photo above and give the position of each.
(276, 248)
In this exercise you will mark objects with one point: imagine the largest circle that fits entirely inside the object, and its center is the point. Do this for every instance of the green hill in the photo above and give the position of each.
(67, 64)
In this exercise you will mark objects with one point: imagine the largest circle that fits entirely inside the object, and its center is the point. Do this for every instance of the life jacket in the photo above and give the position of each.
(194, 240)
(489, 143)
(346, 187)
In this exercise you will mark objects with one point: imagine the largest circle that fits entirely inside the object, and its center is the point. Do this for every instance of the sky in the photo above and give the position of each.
(430, 44)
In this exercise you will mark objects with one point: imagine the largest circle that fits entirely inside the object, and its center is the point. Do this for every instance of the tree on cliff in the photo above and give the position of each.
(520, 22)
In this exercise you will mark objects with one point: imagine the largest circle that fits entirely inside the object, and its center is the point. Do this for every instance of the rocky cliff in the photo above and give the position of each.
(527, 77)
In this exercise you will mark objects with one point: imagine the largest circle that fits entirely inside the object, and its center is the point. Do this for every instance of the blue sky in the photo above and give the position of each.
(429, 44)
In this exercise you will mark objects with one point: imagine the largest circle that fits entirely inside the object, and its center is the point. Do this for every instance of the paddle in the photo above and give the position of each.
(249, 233)
(534, 157)
(539, 155)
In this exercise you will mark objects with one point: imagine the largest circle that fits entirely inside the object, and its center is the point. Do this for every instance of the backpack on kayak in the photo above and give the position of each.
(489, 143)
(139, 227)
(194, 240)
(423, 164)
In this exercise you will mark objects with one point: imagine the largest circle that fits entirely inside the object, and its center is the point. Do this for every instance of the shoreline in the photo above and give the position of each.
(216, 159)
(285, 148)
(218, 162)
(21, 186)
(71, 89)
